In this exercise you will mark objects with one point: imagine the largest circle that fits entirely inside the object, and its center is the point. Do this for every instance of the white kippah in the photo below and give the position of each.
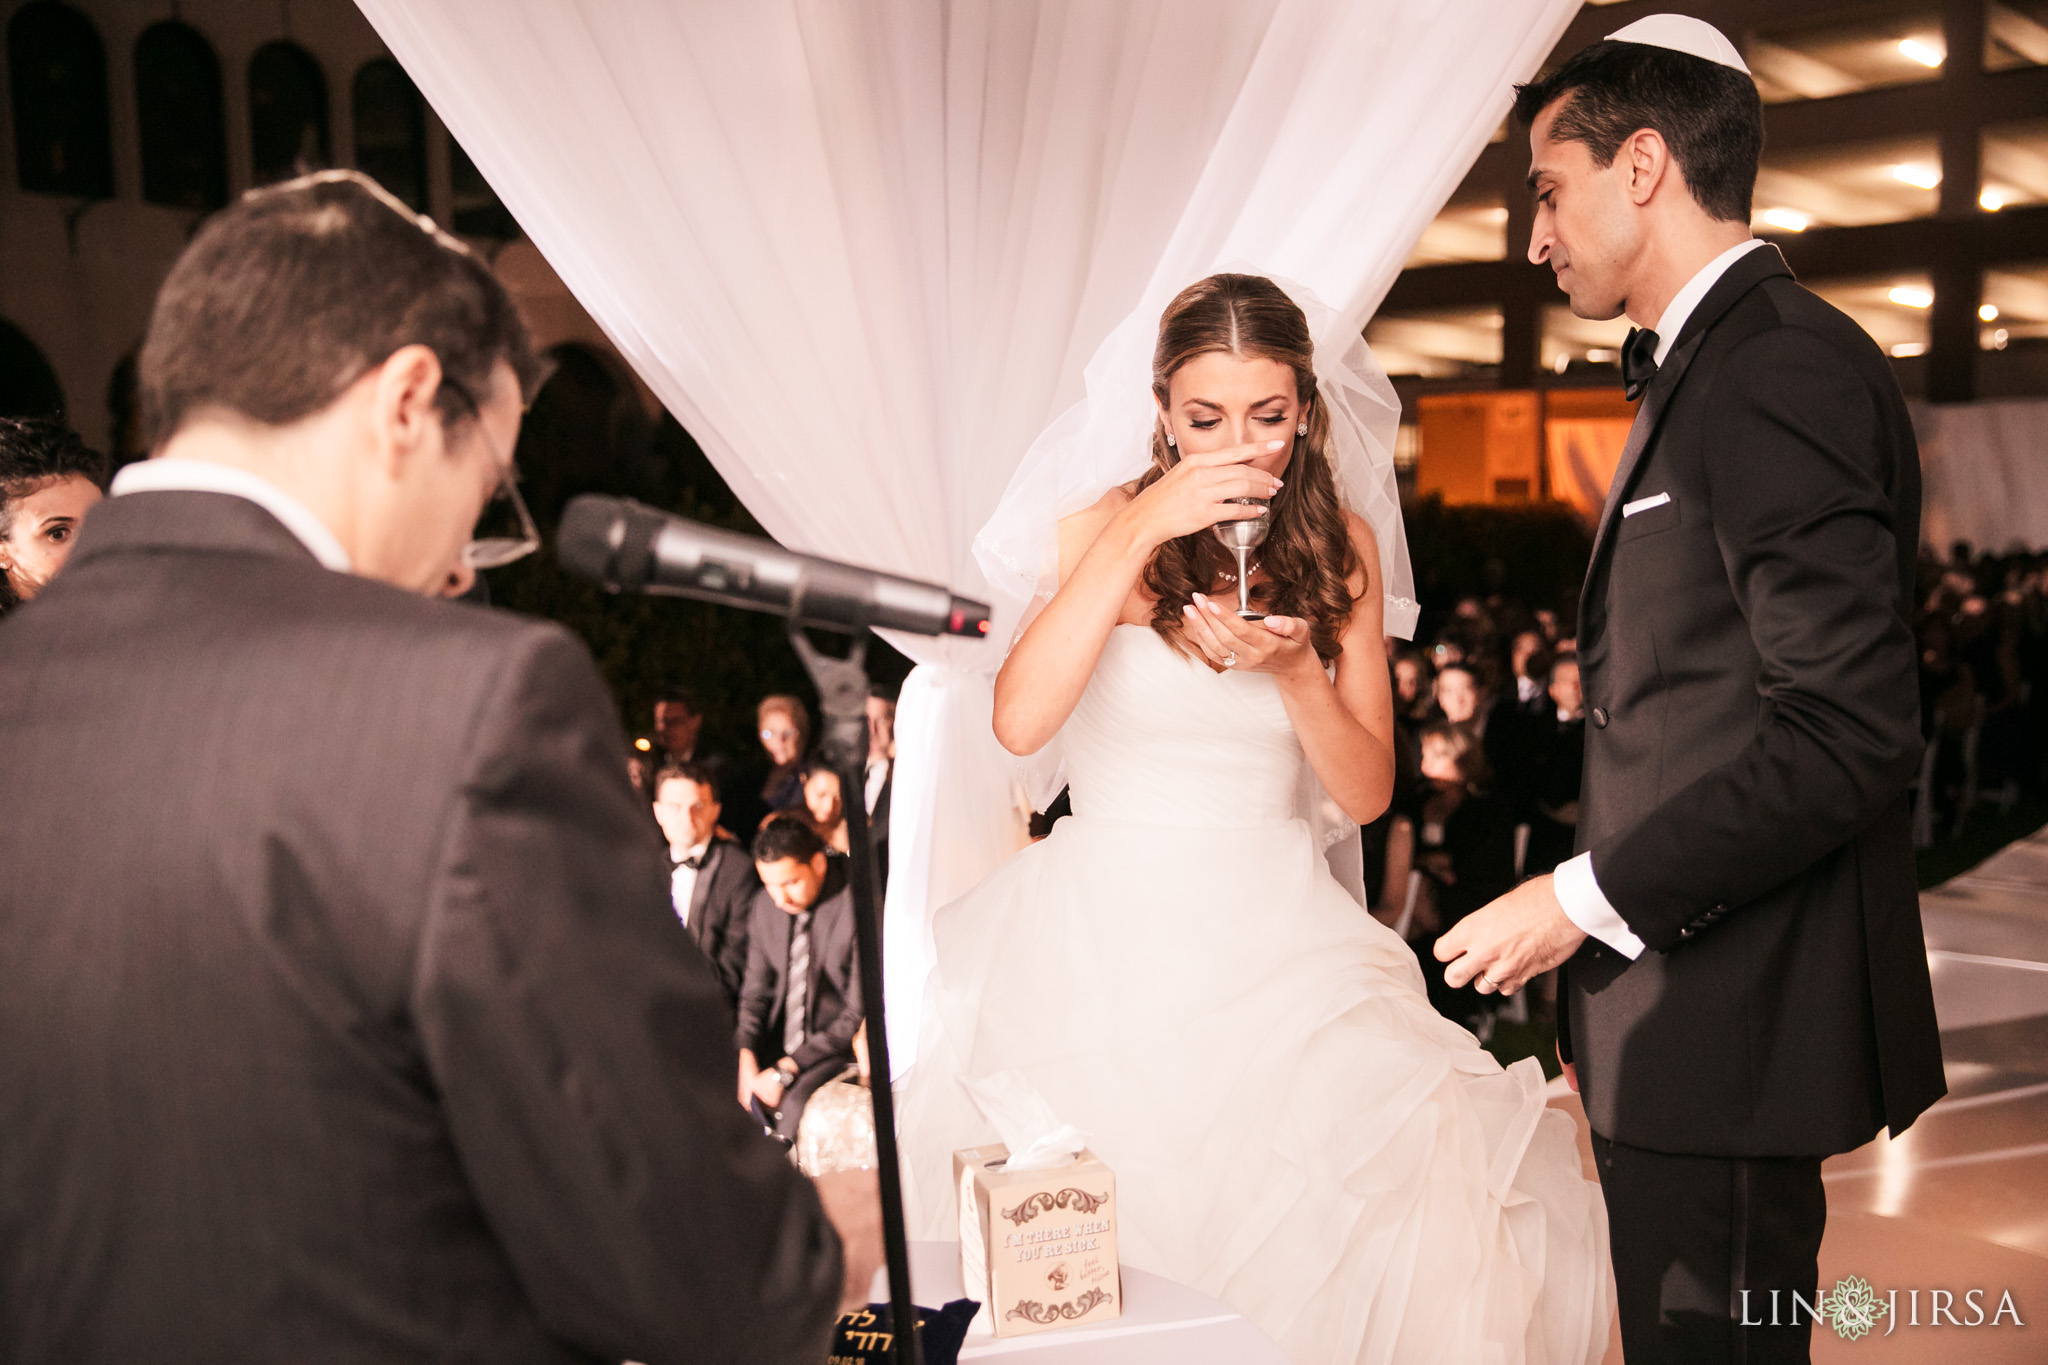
(1682, 33)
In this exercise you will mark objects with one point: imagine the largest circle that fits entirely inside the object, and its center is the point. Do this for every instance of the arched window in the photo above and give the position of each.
(184, 129)
(287, 112)
(57, 69)
(28, 386)
(473, 204)
(391, 130)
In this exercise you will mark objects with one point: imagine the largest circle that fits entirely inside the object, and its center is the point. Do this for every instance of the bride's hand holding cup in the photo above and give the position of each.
(1204, 489)
(1271, 644)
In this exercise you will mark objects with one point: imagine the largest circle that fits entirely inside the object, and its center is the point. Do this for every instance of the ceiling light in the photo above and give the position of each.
(1906, 350)
(1496, 214)
(1988, 313)
(1924, 177)
(1791, 220)
(1600, 355)
(1999, 338)
(1924, 53)
(1562, 363)
(1991, 200)
(1911, 296)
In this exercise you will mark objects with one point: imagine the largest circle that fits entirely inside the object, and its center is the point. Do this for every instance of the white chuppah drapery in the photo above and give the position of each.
(864, 249)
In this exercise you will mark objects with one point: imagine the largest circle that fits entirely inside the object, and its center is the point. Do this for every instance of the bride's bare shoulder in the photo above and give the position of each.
(1366, 546)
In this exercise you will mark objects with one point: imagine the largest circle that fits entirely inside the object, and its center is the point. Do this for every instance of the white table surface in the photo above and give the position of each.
(1163, 1323)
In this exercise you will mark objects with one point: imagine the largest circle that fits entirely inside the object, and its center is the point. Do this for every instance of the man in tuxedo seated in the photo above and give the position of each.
(881, 777)
(800, 1005)
(711, 878)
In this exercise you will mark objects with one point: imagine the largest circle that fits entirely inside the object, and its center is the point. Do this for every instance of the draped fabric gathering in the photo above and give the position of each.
(864, 252)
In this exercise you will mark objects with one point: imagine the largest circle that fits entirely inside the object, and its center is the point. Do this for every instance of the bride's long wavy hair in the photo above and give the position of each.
(1308, 555)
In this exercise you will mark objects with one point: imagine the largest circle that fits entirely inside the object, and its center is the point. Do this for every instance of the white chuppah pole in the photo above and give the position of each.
(863, 249)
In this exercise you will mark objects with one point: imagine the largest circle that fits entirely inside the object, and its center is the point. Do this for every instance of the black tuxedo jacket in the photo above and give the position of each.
(878, 826)
(1753, 723)
(346, 1017)
(832, 1005)
(721, 906)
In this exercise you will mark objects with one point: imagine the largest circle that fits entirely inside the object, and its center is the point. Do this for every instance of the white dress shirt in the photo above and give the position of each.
(878, 777)
(1688, 298)
(1578, 890)
(682, 883)
(203, 476)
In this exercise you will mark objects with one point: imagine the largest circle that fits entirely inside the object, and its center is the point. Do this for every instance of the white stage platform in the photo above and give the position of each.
(1163, 1323)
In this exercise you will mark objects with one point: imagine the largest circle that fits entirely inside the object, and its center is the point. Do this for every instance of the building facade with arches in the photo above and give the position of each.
(124, 123)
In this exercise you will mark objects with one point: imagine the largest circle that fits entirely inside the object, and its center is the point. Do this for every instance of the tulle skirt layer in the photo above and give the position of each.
(1292, 1127)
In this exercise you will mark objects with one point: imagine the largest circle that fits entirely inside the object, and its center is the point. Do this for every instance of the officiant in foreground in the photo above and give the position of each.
(1747, 987)
(346, 1015)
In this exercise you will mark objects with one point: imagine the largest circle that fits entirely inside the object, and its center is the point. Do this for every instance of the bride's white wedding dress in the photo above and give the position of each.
(1292, 1127)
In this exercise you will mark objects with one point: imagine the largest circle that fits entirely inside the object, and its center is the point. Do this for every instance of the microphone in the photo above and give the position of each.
(630, 547)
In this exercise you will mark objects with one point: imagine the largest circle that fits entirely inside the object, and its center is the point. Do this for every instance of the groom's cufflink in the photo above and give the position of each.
(1629, 509)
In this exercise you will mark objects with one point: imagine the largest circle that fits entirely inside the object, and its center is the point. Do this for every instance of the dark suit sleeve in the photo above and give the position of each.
(733, 895)
(836, 1038)
(762, 983)
(1797, 454)
(577, 1038)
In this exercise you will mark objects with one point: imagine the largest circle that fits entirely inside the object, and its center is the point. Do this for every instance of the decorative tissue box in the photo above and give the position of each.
(1038, 1247)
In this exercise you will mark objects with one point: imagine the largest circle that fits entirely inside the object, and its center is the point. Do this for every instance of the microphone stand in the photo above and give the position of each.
(843, 739)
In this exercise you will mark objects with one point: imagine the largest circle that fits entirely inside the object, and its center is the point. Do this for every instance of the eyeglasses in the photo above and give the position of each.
(494, 552)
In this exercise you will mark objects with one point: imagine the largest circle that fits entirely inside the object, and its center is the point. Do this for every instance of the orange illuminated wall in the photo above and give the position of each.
(1480, 447)
(1584, 431)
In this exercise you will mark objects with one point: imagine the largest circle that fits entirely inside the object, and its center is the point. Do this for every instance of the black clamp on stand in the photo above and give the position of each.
(843, 740)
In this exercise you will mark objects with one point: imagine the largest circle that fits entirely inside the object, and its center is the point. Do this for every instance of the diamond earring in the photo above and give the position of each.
(1301, 430)
(1169, 438)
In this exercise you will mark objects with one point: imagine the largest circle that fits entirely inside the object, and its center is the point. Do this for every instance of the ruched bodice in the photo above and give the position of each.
(1159, 738)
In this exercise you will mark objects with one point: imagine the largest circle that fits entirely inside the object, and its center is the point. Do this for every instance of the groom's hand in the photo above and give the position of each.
(1500, 947)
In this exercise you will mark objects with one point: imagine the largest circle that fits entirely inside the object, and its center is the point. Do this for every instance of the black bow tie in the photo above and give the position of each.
(694, 863)
(1638, 362)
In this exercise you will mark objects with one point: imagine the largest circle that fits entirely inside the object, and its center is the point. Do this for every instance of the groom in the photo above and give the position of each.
(1747, 988)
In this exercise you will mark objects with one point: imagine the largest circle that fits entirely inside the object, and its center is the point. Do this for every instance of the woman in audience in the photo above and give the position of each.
(785, 729)
(827, 808)
(49, 480)
(1457, 694)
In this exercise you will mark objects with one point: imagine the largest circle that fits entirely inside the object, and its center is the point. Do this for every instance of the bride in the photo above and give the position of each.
(1293, 1129)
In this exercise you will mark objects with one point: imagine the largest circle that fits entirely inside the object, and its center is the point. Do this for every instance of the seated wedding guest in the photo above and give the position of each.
(1528, 657)
(641, 765)
(881, 776)
(1558, 756)
(1465, 845)
(785, 730)
(801, 1003)
(826, 806)
(1414, 680)
(678, 721)
(373, 1039)
(712, 884)
(1456, 693)
(1517, 722)
(677, 737)
(49, 480)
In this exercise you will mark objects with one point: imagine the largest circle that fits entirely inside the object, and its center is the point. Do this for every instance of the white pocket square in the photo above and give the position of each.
(1629, 509)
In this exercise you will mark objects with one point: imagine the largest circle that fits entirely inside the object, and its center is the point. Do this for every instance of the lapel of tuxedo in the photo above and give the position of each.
(1744, 275)
(700, 890)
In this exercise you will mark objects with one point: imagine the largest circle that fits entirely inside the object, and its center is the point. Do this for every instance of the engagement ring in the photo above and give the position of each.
(1230, 659)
